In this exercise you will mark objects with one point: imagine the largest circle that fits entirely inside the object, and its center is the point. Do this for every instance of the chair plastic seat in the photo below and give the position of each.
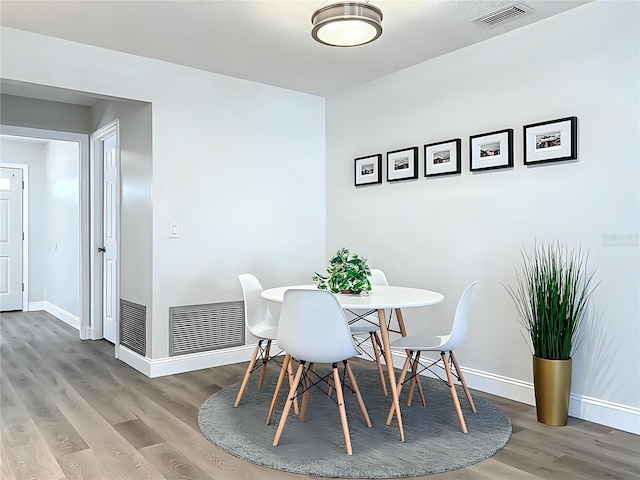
(265, 332)
(365, 328)
(421, 342)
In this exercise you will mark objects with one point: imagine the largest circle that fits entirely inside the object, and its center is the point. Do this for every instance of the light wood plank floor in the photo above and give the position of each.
(69, 410)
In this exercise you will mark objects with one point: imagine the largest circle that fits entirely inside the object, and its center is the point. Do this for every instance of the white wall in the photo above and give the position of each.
(442, 233)
(62, 233)
(238, 165)
(33, 154)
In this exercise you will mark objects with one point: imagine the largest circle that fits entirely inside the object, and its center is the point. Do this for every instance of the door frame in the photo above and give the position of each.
(25, 230)
(96, 226)
(85, 267)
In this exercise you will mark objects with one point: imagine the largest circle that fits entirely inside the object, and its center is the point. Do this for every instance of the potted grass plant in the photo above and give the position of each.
(551, 295)
(347, 273)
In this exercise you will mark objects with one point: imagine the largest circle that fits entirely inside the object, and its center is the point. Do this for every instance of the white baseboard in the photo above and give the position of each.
(57, 312)
(606, 413)
(160, 367)
(591, 409)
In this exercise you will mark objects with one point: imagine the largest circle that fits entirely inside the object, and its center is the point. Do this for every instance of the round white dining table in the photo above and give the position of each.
(380, 297)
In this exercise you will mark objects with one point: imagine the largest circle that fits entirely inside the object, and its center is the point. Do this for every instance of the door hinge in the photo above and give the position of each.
(23, 287)
(23, 184)
(23, 236)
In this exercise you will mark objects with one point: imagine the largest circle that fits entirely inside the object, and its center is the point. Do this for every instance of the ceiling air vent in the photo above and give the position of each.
(503, 14)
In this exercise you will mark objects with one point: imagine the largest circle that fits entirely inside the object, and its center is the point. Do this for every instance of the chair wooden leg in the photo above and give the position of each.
(454, 394)
(343, 412)
(286, 365)
(287, 405)
(379, 343)
(464, 384)
(305, 395)
(420, 392)
(376, 355)
(330, 386)
(289, 369)
(403, 374)
(412, 382)
(265, 359)
(247, 374)
(415, 380)
(354, 385)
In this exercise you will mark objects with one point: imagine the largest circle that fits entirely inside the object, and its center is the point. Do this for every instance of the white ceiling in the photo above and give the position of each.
(269, 41)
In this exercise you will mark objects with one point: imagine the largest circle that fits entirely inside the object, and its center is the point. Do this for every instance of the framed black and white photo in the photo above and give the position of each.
(551, 141)
(491, 150)
(368, 170)
(442, 158)
(402, 164)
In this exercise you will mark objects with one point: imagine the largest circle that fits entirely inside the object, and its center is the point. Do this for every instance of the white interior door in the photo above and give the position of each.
(10, 239)
(110, 237)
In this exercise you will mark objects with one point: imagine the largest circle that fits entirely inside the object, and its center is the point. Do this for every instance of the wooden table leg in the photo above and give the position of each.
(384, 333)
(400, 318)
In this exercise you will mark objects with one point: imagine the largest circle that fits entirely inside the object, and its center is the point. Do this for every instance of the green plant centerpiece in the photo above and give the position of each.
(347, 273)
(551, 296)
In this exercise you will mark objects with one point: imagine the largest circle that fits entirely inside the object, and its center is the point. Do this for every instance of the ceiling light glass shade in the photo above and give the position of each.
(346, 24)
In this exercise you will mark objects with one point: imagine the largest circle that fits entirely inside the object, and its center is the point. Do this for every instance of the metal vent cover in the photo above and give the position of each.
(133, 331)
(198, 328)
(503, 14)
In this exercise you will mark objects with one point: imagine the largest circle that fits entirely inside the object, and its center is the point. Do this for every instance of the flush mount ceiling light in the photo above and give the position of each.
(346, 24)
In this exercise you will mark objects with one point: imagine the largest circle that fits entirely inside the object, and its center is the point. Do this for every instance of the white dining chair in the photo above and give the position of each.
(414, 345)
(313, 329)
(365, 323)
(262, 325)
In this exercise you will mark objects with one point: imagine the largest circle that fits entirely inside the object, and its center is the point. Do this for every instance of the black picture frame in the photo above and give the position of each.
(402, 164)
(443, 158)
(368, 170)
(491, 151)
(550, 141)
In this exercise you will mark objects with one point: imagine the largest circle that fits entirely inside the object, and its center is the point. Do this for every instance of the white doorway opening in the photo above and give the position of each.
(82, 141)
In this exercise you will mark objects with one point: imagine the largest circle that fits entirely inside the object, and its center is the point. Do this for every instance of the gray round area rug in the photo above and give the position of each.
(434, 442)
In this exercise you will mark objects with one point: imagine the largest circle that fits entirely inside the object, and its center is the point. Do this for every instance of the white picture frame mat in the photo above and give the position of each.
(534, 155)
(493, 160)
(406, 172)
(442, 167)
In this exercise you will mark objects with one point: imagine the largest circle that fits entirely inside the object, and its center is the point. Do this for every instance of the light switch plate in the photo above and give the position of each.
(174, 231)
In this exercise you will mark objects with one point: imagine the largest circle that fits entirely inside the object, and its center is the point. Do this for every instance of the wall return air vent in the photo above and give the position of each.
(198, 328)
(503, 14)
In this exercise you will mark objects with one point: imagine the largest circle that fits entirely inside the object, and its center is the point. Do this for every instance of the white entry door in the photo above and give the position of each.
(110, 236)
(10, 239)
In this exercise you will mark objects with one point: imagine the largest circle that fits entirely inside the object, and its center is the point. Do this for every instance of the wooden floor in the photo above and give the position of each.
(69, 410)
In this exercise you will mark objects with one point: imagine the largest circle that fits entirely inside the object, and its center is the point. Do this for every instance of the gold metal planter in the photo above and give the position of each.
(552, 384)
